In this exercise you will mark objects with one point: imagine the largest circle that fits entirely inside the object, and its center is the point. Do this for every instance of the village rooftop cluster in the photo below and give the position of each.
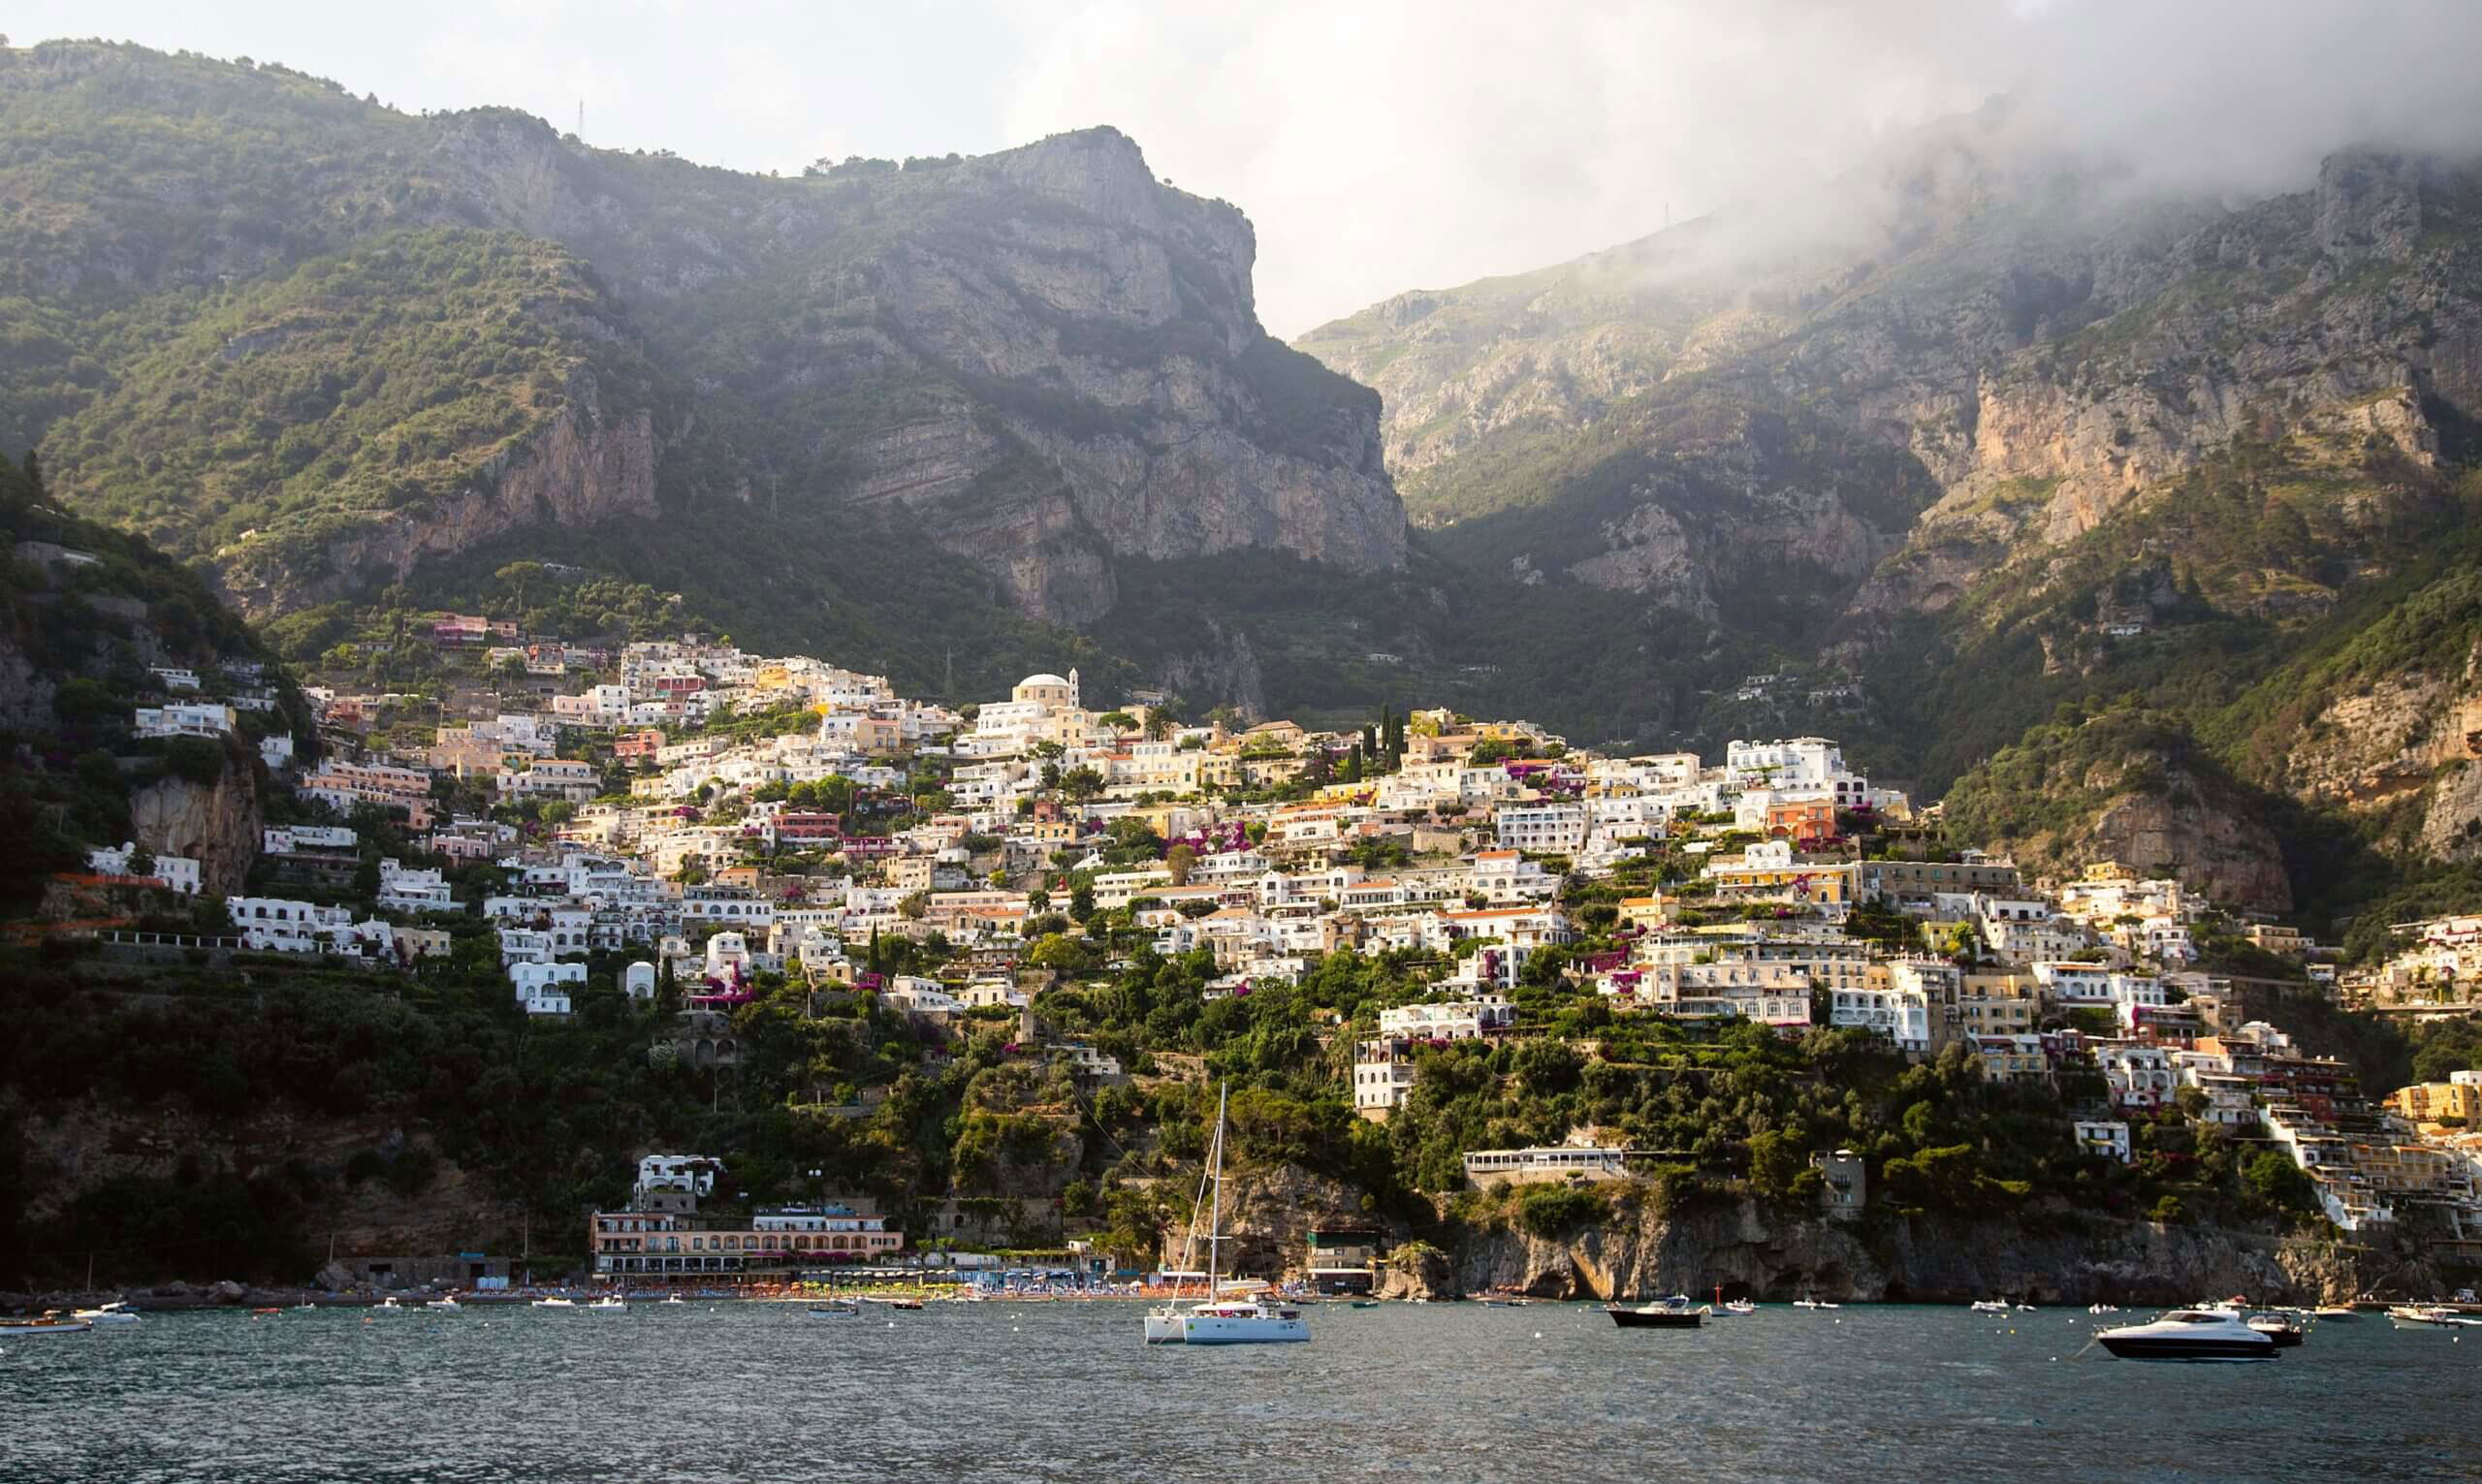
(721, 817)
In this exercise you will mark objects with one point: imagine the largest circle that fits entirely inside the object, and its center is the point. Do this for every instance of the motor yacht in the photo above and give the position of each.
(2190, 1333)
(116, 1313)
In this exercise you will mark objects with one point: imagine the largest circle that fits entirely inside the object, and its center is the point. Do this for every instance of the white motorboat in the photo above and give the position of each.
(2190, 1333)
(675, 1299)
(836, 1309)
(2435, 1315)
(609, 1304)
(1814, 1303)
(116, 1313)
(445, 1305)
(1218, 1320)
(391, 1304)
(1741, 1307)
(555, 1303)
(1990, 1305)
(2102, 1309)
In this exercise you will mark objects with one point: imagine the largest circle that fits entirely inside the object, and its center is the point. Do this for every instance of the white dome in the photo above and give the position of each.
(1042, 680)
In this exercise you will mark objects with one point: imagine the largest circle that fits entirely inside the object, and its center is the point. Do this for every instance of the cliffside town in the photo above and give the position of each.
(724, 848)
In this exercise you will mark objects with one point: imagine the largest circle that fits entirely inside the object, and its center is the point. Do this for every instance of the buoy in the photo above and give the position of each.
(1538, 1334)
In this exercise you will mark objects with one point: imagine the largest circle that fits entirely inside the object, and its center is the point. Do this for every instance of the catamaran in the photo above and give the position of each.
(1250, 1318)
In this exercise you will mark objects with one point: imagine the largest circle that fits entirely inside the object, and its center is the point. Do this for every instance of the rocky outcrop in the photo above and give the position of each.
(579, 468)
(217, 825)
(2416, 735)
(2052, 1258)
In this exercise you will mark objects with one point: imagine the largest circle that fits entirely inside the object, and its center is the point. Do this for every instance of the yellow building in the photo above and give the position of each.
(2431, 1102)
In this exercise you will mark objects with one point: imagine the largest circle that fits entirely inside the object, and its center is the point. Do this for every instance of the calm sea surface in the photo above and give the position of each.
(1546, 1394)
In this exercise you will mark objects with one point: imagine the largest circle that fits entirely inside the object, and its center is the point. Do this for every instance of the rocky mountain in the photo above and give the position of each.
(324, 344)
(1980, 430)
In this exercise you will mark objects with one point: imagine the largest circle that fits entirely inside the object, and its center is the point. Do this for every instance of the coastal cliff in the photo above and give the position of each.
(215, 824)
(1750, 1251)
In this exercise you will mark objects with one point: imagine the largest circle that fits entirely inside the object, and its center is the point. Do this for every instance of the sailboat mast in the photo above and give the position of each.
(1215, 1214)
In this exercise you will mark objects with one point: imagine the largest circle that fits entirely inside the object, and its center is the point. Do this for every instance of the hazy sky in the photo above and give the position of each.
(1385, 145)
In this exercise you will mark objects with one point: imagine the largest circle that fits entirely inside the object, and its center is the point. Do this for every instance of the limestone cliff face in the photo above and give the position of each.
(580, 468)
(1744, 1247)
(1118, 398)
(1084, 373)
(2036, 340)
(1049, 355)
(2414, 734)
(218, 824)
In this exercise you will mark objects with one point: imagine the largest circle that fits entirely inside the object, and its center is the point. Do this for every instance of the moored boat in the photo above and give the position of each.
(2435, 1315)
(555, 1303)
(444, 1305)
(609, 1304)
(1256, 1318)
(2284, 1330)
(1741, 1307)
(835, 1309)
(1673, 1313)
(51, 1322)
(1990, 1305)
(2190, 1333)
(115, 1313)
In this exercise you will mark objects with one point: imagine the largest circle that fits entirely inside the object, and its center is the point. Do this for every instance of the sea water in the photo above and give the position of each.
(1546, 1394)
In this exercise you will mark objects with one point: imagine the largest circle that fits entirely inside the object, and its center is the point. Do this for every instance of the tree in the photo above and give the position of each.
(1081, 782)
(2279, 1184)
(1179, 860)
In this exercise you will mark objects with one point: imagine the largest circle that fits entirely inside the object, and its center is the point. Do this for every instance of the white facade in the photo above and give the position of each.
(1460, 1020)
(180, 873)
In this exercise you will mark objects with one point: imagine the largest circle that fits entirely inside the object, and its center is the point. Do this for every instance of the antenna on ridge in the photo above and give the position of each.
(582, 122)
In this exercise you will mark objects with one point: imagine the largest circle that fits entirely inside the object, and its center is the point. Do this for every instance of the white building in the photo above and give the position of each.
(544, 989)
(1460, 1020)
(1382, 1076)
(2109, 1138)
(180, 873)
(1543, 829)
(184, 719)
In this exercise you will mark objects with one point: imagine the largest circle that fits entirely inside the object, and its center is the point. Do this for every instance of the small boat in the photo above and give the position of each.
(1673, 1313)
(116, 1313)
(609, 1304)
(51, 1322)
(1814, 1303)
(555, 1303)
(445, 1305)
(264, 1314)
(2438, 1316)
(1365, 1304)
(836, 1309)
(895, 1303)
(675, 1299)
(1741, 1307)
(390, 1303)
(2102, 1309)
(2190, 1333)
(2326, 1312)
(1990, 1305)
(2282, 1328)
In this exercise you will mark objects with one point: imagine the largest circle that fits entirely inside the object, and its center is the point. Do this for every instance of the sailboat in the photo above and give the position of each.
(1250, 1318)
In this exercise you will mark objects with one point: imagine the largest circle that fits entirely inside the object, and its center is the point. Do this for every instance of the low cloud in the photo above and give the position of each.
(1409, 143)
